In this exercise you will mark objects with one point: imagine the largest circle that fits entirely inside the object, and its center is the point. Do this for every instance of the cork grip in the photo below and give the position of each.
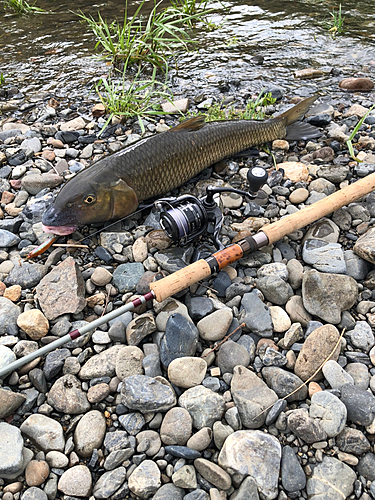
(321, 208)
(181, 279)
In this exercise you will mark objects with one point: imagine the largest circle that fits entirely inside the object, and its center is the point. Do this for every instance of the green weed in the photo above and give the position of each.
(336, 23)
(21, 7)
(355, 130)
(2, 79)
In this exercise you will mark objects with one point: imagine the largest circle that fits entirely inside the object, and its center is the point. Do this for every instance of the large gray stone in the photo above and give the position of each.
(46, 433)
(204, 406)
(256, 314)
(147, 394)
(11, 447)
(330, 480)
(9, 313)
(330, 411)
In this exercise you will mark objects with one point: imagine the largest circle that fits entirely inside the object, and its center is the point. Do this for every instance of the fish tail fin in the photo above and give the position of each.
(298, 111)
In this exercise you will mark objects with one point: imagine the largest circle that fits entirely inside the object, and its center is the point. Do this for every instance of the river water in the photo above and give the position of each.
(53, 52)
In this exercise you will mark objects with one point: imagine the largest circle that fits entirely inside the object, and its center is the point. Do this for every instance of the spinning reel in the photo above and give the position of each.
(186, 218)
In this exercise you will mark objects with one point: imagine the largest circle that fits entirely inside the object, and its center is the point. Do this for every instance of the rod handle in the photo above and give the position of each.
(321, 208)
(180, 280)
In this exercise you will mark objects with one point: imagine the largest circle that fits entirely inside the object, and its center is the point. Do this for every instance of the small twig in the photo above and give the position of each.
(309, 379)
(106, 303)
(69, 245)
(224, 339)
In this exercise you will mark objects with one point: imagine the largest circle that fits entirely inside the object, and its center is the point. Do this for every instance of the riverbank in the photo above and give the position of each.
(148, 407)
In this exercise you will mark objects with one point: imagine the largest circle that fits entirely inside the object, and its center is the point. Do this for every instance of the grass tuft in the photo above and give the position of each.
(21, 7)
(352, 135)
(336, 23)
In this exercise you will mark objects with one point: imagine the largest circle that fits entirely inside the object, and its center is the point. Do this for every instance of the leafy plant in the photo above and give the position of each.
(21, 7)
(137, 98)
(336, 23)
(141, 40)
(352, 135)
(2, 79)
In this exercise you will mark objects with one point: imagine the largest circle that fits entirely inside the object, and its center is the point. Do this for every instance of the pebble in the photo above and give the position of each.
(185, 477)
(284, 383)
(34, 323)
(215, 326)
(306, 428)
(36, 472)
(333, 477)
(187, 371)
(109, 483)
(230, 355)
(101, 277)
(147, 394)
(76, 481)
(244, 450)
(11, 448)
(330, 411)
(66, 395)
(180, 339)
(45, 432)
(7, 356)
(213, 473)
(360, 404)
(352, 441)
(89, 433)
(204, 406)
(129, 362)
(176, 427)
(362, 336)
(9, 402)
(126, 276)
(280, 319)
(256, 315)
(293, 477)
(145, 479)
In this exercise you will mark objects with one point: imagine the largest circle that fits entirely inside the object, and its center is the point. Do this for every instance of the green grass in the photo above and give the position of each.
(355, 130)
(143, 39)
(21, 7)
(336, 23)
(2, 79)
(138, 98)
(254, 110)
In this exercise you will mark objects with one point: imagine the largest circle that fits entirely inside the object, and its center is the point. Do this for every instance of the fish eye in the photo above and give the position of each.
(90, 198)
(69, 205)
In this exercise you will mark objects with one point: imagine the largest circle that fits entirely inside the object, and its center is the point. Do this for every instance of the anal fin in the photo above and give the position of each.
(301, 131)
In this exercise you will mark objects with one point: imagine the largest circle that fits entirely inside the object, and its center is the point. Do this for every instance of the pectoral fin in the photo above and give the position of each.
(301, 131)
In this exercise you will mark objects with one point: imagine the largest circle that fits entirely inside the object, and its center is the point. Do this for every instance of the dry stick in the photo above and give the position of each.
(224, 339)
(308, 380)
(69, 245)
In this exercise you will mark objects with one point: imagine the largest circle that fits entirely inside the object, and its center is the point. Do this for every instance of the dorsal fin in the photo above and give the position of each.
(190, 125)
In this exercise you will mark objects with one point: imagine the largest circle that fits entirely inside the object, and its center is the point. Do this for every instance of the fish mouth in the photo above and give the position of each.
(60, 230)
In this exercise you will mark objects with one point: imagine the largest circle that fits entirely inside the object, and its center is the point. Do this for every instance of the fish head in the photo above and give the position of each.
(81, 203)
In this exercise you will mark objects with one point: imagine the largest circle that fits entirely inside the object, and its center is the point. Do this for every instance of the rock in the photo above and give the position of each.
(139, 328)
(357, 84)
(145, 479)
(364, 246)
(292, 475)
(366, 466)
(308, 73)
(26, 275)
(326, 295)
(57, 459)
(187, 371)
(360, 375)
(305, 427)
(356, 267)
(185, 477)
(76, 481)
(166, 308)
(36, 472)
(215, 326)
(256, 314)
(172, 492)
(244, 451)
(275, 289)
(182, 452)
(7, 356)
(335, 375)
(129, 362)
(332, 477)
(316, 348)
(177, 106)
(75, 124)
(200, 440)
(101, 365)
(180, 339)
(296, 311)
(132, 422)
(323, 256)
(8, 239)
(66, 395)
(221, 432)
(230, 355)
(295, 171)
(360, 404)
(34, 183)
(356, 110)
(126, 276)
(13, 293)
(109, 483)
(44, 432)
(10, 401)
(176, 427)
(362, 336)
(213, 473)
(101, 277)
(284, 383)
(293, 335)
(353, 441)
(34, 323)
(251, 396)
(11, 447)
(280, 319)
(89, 433)
(205, 406)
(62, 290)
(34, 493)
(147, 394)
(330, 411)
(8, 316)
(54, 362)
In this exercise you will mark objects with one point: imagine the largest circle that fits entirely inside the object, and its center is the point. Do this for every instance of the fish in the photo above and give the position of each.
(112, 188)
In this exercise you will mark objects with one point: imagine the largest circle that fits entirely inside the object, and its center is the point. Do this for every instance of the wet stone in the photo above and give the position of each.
(205, 406)
(292, 475)
(180, 339)
(126, 276)
(67, 396)
(147, 394)
(182, 452)
(44, 432)
(62, 290)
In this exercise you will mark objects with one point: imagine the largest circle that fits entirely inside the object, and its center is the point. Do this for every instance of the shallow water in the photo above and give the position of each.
(53, 52)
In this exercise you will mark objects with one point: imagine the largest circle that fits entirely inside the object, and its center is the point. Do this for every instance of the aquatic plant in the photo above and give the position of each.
(138, 97)
(21, 7)
(336, 23)
(2, 79)
(140, 39)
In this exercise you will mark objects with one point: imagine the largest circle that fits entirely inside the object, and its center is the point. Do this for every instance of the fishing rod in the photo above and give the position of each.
(204, 268)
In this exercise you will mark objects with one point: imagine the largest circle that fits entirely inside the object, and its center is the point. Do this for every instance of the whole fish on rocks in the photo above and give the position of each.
(112, 188)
